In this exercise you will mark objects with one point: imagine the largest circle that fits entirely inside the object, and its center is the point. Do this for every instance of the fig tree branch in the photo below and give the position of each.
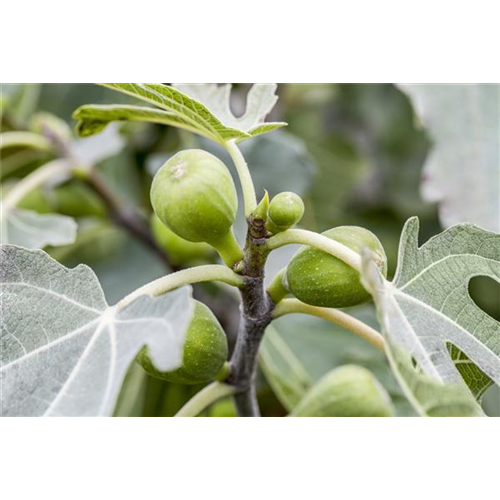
(256, 308)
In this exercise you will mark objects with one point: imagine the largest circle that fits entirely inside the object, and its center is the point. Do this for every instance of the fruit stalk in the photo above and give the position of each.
(199, 274)
(366, 332)
(247, 186)
(345, 254)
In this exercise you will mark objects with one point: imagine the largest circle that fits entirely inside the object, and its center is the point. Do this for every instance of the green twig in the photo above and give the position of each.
(172, 281)
(247, 186)
(304, 237)
(25, 140)
(291, 306)
(207, 396)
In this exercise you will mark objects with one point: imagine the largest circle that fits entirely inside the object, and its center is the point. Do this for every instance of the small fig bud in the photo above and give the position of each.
(320, 279)
(260, 212)
(194, 195)
(285, 210)
(204, 355)
(179, 250)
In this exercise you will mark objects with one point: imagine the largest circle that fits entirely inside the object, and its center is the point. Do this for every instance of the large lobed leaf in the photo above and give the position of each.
(462, 172)
(63, 350)
(427, 311)
(202, 109)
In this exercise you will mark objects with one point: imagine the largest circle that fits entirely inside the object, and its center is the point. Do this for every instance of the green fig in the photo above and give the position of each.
(204, 355)
(194, 195)
(285, 210)
(348, 391)
(320, 279)
(179, 250)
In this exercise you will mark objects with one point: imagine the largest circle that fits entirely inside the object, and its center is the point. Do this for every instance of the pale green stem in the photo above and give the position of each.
(291, 306)
(247, 186)
(24, 139)
(207, 396)
(180, 278)
(17, 160)
(34, 180)
(228, 248)
(304, 237)
(276, 289)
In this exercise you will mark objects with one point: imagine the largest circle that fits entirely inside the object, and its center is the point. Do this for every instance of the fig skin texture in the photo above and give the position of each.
(179, 250)
(285, 210)
(320, 279)
(205, 351)
(193, 194)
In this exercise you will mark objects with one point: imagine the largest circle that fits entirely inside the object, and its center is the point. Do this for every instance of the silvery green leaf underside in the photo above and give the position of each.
(30, 229)
(64, 351)
(462, 171)
(207, 117)
(427, 313)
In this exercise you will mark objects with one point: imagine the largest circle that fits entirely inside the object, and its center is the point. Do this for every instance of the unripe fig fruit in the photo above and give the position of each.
(320, 279)
(348, 391)
(285, 210)
(179, 250)
(204, 355)
(194, 195)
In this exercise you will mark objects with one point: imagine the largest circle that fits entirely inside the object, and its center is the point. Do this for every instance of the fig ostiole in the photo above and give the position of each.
(285, 210)
(179, 250)
(320, 279)
(194, 195)
(204, 355)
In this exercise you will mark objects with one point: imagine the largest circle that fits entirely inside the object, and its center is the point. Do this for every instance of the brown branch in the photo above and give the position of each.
(256, 312)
